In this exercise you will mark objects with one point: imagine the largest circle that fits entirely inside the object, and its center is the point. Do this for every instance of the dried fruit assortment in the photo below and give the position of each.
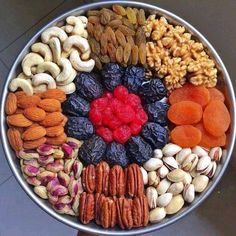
(129, 141)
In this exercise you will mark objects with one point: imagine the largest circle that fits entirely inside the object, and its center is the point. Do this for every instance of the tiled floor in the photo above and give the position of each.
(19, 20)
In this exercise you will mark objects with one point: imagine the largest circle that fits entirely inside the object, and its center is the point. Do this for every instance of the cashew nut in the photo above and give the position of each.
(49, 66)
(66, 69)
(23, 76)
(21, 83)
(40, 89)
(86, 55)
(69, 28)
(43, 49)
(77, 23)
(80, 65)
(53, 32)
(85, 34)
(68, 89)
(65, 54)
(77, 41)
(44, 78)
(34, 69)
(55, 46)
(31, 59)
(84, 20)
(70, 78)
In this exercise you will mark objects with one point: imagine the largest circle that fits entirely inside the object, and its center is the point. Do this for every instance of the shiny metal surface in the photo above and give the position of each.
(225, 85)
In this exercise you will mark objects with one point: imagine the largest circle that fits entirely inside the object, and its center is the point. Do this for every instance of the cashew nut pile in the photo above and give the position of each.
(55, 62)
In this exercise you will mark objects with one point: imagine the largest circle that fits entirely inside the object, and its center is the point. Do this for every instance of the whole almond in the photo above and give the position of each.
(54, 93)
(35, 143)
(11, 104)
(28, 101)
(18, 120)
(50, 105)
(20, 94)
(52, 119)
(35, 113)
(54, 131)
(63, 123)
(14, 138)
(33, 133)
(19, 111)
(57, 140)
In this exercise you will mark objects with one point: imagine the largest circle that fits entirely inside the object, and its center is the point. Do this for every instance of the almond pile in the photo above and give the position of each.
(35, 120)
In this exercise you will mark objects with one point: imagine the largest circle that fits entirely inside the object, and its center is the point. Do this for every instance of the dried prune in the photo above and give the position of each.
(112, 75)
(152, 90)
(76, 106)
(133, 78)
(155, 134)
(157, 112)
(92, 150)
(116, 154)
(138, 149)
(88, 86)
(79, 127)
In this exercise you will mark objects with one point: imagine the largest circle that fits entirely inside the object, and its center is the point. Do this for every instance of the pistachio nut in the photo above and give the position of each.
(33, 181)
(77, 168)
(200, 182)
(74, 143)
(162, 171)
(30, 170)
(175, 204)
(73, 186)
(164, 199)
(63, 178)
(153, 178)
(44, 160)
(80, 186)
(28, 154)
(187, 178)
(68, 165)
(32, 162)
(54, 167)
(63, 209)
(68, 150)
(41, 191)
(65, 199)
(75, 205)
(190, 162)
(170, 163)
(176, 188)
(59, 191)
(45, 149)
(46, 176)
(157, 214)
(199, 151)
(216, 153)
(189, 193)
(170, 149)
(180, 156)
(194, 173)
(51, 184)
(157, 153)
(58, 154)
(203, 163)
(152, 196)
(176, 175)
(52, 199)
(210, 170)
(145, 175)
(163, 186)
(152, 164)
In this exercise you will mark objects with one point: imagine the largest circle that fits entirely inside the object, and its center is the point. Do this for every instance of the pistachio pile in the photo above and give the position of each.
(174, 175)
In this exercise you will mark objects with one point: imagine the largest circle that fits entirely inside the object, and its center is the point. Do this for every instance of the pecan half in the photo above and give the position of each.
(99, 198)
(88, 178)
(86, 207)
(135, 185)
(117, 181)
(102, 177)
(124, 213)
(140, 211)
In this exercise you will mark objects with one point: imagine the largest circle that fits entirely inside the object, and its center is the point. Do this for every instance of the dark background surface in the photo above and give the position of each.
(20, 20)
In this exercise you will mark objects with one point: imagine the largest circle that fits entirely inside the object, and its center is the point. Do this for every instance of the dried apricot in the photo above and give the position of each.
(216, 94)
(185, 113)
(216, 118)
(186, 136)
(189, 92)
(208, 140)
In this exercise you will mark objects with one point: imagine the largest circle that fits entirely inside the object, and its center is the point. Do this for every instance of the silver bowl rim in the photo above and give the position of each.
(151, 227)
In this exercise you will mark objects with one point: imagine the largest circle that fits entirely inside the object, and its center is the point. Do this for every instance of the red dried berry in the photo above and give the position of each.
(135, 128)
(115, 104)
(108, 95)
(121, 93)
(95, 116)
(133, 100)
(126, 114)
(106, 134)
(114, 123)
(122, 134)
(99, 104)
(141, 116)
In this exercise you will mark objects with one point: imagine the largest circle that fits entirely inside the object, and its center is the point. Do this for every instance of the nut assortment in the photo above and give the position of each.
(125, 143)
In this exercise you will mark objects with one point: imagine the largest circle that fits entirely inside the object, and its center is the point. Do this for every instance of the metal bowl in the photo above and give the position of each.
(224, 84)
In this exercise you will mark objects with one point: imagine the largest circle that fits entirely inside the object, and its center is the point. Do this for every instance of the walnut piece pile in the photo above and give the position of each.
(173, 55)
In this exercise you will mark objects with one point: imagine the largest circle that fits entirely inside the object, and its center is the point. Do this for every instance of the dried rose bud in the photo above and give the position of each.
(77, 168)
(33, 181)
(63, 178)
(30, 170)
(44, 160)
(45, 149)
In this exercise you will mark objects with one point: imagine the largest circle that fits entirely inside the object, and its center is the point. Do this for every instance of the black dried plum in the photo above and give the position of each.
(116, 154)
(157, 112)
(152, 90)
(92, 150)
(155, 134)
(112, 75)
(133, 78)
(88, 86)
(138, 149)
(79, 127)
(76, 106)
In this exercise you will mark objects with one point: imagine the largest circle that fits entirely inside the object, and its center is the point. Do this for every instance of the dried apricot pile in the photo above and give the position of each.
(196, 104)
